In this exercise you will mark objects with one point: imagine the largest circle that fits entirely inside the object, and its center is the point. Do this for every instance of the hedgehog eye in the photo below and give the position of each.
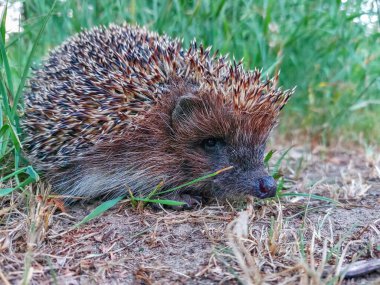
(210, 144)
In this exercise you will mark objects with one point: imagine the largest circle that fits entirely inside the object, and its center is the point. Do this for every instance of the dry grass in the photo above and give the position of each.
(292, 241)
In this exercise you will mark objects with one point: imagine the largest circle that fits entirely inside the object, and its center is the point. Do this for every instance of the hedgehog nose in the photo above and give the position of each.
(267, 187)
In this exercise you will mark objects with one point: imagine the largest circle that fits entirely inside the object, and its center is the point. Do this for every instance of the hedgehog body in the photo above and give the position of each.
(121, 108)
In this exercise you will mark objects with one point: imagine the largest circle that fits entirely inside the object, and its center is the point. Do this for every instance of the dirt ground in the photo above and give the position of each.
(294, 240)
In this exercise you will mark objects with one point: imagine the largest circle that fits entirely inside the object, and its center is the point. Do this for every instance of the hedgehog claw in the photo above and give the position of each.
(190, 201)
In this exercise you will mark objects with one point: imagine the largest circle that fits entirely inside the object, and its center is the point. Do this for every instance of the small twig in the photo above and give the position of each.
(360, 268)
(3, 278)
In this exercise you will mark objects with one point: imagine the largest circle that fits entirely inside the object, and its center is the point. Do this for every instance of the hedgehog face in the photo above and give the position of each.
(210, 138)
(248, 175)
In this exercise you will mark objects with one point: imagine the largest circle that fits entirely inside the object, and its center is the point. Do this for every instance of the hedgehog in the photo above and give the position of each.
(120, 109)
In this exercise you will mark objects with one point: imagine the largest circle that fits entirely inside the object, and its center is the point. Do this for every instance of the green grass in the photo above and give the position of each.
(318, 45)
(10, 145)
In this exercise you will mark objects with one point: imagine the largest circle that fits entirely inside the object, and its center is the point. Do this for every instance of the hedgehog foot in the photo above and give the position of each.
(189, 200)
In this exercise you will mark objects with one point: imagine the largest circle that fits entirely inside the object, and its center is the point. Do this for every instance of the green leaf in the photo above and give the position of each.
(155, 190)
(100, 210)
(278, 163)
(32, 173)
(4, 96)
(4, 130)
(161, 201)
(312, 196)
(6, 191)
(33, 177)
(268, 157)
(6, 66)
(364, 104)
(18, 171)
(15, 138)
(29, 61)
(195, 180)
(280, 186)
(3, 22)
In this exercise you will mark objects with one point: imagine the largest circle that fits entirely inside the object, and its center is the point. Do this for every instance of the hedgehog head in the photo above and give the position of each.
(214, 126)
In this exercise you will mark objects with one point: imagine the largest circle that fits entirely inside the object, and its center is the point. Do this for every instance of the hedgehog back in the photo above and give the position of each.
(93, 87)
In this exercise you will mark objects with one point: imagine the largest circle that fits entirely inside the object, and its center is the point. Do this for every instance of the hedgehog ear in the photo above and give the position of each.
(184, 107)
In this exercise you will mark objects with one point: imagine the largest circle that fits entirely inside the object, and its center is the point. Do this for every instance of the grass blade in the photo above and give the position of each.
(159, 201)
(7, 68)
(6, 191)
(195, 180)
(278, 163)
(29, 61)
(280, 186)
(4, 56)
(99, 210)
(3, 22)
(18, 171)
(268, 157)
(312, 196)
(32, 177)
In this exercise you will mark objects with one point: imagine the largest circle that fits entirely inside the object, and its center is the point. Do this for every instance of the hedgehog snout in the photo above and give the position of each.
(256, 182)
(265, 187)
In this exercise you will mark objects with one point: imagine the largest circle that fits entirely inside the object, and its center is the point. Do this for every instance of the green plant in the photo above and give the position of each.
(275, 172)
(150, 198)
(10, 145)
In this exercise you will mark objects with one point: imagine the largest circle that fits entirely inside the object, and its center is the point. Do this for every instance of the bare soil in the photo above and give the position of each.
(294, 240)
